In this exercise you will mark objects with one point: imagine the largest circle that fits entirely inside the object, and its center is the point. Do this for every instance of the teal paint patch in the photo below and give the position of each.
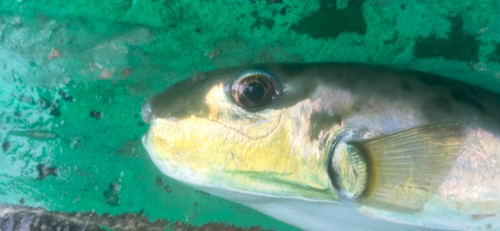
(495, 55)
(269, 23)
(391, 41)
(330, 22)
(458, 47)
(112, 195)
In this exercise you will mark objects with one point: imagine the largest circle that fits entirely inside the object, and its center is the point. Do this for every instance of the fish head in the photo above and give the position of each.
(285, 138)
(242, 129)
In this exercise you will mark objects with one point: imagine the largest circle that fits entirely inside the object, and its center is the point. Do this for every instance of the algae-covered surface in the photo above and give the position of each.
(74, 74)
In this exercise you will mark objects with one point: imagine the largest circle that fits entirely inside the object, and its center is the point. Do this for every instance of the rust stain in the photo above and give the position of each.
(481, 216)
(105, 73)
(54, 54)
(40, 219)
(126, 71)
(211, 226)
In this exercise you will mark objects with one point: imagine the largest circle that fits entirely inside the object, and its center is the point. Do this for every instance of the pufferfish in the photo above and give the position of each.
(335, 146)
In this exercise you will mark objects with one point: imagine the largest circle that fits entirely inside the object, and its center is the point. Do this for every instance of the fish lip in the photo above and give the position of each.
(146, 112)
(154, 157)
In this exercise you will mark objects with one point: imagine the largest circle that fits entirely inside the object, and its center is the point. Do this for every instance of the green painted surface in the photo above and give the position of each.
(457, 46)
(113, 55)
(330, 22)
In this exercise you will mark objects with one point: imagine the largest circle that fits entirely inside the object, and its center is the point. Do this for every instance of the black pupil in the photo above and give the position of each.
(254, 92)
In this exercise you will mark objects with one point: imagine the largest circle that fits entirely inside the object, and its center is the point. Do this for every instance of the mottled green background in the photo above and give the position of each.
(115, 54)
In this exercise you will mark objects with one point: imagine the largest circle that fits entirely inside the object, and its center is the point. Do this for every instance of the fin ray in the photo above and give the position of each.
(406, 168)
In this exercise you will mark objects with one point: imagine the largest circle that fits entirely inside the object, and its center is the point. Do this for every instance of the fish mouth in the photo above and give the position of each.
(153, 155)
(162, 162)
(172, 163)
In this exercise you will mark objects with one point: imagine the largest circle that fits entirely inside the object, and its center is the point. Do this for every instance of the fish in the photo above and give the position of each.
(334, 146)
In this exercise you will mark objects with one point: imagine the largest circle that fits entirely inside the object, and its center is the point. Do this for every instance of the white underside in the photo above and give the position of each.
(313, 216)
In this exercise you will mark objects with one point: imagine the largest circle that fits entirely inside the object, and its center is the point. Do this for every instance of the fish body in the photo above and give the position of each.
(334, 146)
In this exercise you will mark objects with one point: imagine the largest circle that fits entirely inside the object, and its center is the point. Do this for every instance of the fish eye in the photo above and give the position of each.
(255, 89)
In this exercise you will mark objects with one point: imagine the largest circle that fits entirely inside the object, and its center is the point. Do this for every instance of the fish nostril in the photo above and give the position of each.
(146, 112)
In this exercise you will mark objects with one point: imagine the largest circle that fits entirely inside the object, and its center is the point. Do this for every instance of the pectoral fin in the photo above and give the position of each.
(403, 169)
